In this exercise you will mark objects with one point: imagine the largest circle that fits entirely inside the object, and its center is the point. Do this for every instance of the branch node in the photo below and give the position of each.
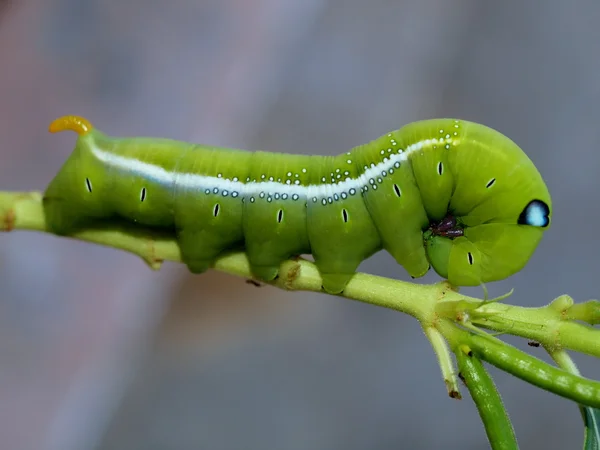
(291, 275)
(561, 305)
(150, 257)
(442, 351)
(466, 350)
(8, 224)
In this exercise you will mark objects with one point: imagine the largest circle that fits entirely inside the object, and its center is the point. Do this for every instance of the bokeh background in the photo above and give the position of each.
(99, 352)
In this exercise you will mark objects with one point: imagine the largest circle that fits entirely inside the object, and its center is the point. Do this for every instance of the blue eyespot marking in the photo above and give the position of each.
(535, 214)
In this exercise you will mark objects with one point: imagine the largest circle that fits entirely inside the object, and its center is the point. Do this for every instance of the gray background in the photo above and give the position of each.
(98, 352)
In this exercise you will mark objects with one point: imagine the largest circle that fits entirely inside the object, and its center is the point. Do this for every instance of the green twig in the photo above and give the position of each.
(440, 347)
(535, 371)
(448, 318)
(483, 391)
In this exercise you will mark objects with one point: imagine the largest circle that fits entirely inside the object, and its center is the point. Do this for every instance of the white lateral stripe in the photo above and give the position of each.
(198, 182)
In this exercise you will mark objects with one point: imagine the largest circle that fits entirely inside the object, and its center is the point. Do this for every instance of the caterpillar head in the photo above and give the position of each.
(498, 212)
(469, 256)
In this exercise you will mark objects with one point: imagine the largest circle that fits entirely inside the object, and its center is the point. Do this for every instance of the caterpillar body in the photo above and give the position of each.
(449, 194)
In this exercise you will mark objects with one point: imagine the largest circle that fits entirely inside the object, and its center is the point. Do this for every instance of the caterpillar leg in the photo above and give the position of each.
(207, 226)
(198, 266)
(265, 272)
(335, 276)
(340, 240)
(266, 254)
(274, 230)
(197, 251)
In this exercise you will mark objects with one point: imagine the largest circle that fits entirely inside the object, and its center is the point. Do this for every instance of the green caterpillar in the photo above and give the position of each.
(451, 194)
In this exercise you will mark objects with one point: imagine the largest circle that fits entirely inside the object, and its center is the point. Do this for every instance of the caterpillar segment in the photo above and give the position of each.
(453, 195)
(341, 231)
(275, 215)
(392, 197)
(208, 210)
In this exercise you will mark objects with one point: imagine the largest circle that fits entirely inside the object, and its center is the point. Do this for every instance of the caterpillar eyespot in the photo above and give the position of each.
(535, 214)
(449, 207)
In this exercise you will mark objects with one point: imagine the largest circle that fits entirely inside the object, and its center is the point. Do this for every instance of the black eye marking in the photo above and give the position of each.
(490, 183)
(280, 216)
(88, 183)
(345, 215)
(470, 255)
(143, 195)
(216, 210)
(440, 168)
(535, 214)
(397, 190)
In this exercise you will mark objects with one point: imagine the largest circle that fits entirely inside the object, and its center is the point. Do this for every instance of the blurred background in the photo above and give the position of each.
(99, 352)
